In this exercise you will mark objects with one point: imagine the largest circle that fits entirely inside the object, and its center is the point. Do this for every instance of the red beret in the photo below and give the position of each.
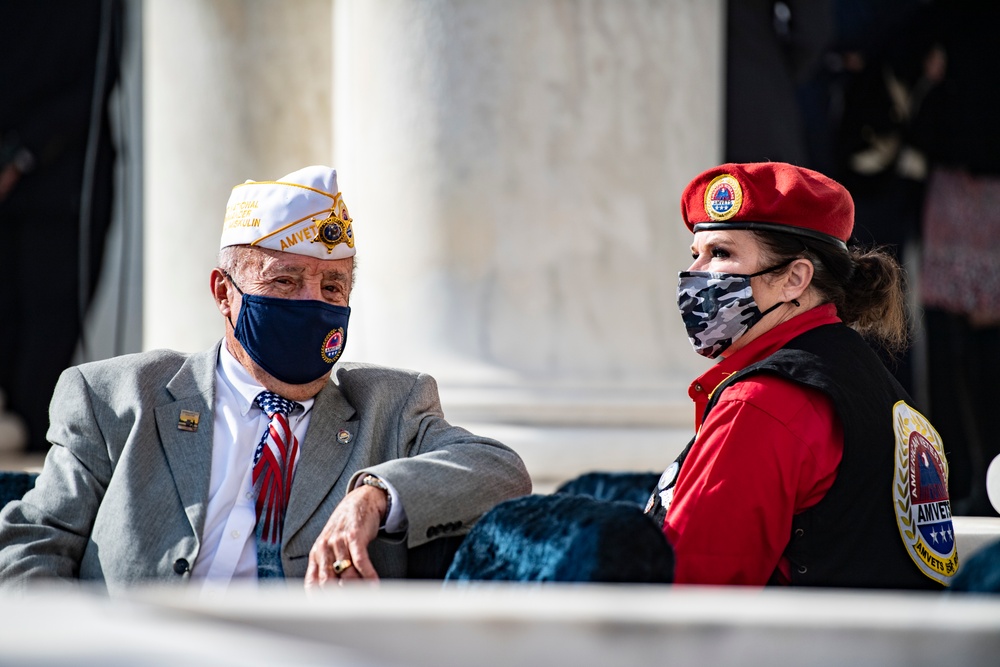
(770, 196)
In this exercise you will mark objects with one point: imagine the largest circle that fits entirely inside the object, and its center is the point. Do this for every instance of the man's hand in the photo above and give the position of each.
(346, 536)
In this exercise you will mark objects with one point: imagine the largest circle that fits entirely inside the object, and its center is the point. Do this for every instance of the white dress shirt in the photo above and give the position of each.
(228, 542)
(228, 545)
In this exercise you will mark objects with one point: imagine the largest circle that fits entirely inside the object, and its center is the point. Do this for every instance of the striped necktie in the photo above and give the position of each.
(273, 466)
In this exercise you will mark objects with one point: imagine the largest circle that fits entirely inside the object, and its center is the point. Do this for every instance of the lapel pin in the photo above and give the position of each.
(188, 421)
(343, 436)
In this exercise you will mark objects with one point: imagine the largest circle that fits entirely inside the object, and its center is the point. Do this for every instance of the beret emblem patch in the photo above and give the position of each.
(723, 198)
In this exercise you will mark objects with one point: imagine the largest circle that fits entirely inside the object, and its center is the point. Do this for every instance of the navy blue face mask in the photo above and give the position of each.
(296, 341)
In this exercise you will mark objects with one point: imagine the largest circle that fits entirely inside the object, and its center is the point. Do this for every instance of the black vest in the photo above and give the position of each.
(851, 537)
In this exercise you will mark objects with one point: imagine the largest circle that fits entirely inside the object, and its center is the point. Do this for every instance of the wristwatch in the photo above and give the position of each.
(372, 480)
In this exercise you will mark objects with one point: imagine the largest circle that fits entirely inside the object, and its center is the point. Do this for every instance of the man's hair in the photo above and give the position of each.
(236, 260)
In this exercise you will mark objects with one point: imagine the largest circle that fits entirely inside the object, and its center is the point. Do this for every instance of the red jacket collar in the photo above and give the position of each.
(703, 387)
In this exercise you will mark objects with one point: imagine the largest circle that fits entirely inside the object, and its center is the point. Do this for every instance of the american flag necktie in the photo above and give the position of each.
(273, 466)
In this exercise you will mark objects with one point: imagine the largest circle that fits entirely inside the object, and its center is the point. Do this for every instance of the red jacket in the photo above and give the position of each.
(768, 450)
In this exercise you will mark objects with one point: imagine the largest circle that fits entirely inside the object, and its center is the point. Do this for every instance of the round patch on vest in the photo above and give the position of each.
(920, 495)
(663, 494)
(668, 476)
(723, 198)
(333, 345)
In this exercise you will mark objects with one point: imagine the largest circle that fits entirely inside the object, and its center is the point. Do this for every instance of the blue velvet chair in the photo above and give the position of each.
(630, 487)
(14, 484)
(564, 537)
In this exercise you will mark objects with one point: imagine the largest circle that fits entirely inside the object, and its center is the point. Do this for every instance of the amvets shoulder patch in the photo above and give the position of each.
(920, 495)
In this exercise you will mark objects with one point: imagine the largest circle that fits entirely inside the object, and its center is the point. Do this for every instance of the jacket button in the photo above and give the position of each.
(181, 566)
(803, 569)
(697, 386)
(799, 532)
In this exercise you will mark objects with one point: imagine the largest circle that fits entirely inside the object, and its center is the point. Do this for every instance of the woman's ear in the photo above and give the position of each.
(798, 277)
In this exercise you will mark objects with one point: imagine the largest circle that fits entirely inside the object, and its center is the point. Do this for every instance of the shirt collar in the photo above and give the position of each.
(245, 388)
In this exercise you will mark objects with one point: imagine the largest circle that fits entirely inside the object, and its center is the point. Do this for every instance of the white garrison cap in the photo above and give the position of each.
(302, 213)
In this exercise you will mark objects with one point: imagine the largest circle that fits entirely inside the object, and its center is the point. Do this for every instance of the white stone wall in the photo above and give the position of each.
(233, 89)
(515, 170)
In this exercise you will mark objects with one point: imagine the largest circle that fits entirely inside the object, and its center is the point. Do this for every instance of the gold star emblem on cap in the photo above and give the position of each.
(335, 229)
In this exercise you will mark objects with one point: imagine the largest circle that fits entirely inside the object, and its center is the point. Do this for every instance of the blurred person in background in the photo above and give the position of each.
(772, 50)
(960, 270)
(59, 61)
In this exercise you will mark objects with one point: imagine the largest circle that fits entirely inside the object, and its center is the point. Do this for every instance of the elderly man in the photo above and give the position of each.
(249, 460)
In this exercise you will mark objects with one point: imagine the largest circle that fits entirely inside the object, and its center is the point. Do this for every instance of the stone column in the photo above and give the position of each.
(234, 89)
(514, 171)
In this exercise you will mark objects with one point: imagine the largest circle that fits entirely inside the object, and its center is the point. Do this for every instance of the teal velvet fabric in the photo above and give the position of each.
(564, 538)
(14, 484)
(631, 487)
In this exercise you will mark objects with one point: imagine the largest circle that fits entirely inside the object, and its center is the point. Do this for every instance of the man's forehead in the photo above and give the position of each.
(285, 262)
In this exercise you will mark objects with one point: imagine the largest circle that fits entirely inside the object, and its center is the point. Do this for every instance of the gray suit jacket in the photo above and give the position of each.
(122, 496)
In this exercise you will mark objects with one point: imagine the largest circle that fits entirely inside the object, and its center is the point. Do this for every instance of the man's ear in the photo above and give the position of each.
(222, 292)
(798, 277)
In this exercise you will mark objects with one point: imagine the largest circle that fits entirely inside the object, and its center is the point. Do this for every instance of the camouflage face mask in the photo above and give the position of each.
(718, 308)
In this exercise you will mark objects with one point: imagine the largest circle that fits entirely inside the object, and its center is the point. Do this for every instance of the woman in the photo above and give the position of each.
(808, 466)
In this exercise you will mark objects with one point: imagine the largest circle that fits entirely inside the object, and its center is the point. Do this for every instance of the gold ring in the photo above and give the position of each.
(341, 565)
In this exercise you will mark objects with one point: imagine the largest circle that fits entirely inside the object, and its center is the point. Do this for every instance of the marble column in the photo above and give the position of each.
(233, 89)
(514, 171)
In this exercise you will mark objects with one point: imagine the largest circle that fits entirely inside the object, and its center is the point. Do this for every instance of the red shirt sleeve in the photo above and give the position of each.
(768, 450)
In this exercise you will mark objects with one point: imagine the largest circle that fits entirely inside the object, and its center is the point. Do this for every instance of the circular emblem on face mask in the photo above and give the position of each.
(333, 345)
(723, 198)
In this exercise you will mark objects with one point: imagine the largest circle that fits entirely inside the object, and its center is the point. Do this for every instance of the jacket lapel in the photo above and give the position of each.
(189, 452)
(323, 457)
